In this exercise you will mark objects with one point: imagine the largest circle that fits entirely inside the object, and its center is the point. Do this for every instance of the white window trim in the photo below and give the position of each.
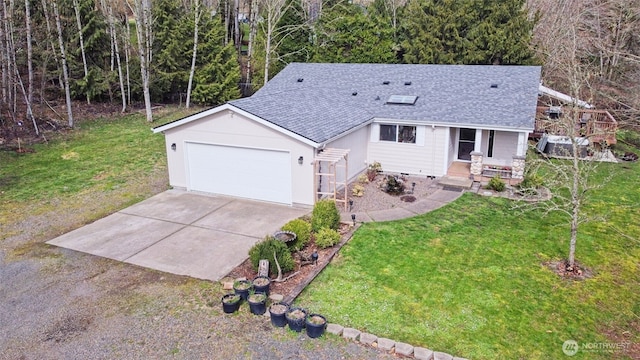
(376, 132)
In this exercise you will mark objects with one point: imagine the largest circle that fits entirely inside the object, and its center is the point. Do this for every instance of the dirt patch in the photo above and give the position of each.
(575, 272)
(625, 338)
(68, 328)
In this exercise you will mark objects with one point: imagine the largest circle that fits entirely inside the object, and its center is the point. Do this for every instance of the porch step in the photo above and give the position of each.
(456, 182)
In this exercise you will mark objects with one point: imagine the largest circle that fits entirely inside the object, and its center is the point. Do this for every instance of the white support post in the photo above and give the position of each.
(477, 145)
(522, 144)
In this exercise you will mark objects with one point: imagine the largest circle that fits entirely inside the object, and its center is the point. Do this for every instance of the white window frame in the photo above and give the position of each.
(397, 133)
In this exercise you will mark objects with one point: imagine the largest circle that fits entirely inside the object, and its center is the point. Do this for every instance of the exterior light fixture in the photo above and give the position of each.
(300, 160)
(173, 146)
(353, 218)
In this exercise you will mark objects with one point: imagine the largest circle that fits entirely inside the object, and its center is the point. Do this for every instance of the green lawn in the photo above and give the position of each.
(98, 156)
(469, 278)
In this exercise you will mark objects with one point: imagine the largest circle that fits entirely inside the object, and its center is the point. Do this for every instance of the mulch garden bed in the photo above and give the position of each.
(292, 287)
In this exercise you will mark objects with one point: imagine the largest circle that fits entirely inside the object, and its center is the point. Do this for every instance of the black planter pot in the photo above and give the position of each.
(230, 307)
(278, 312)
(258, 306)
(261, 288)
(242, 288)
(314, 327)
(296, 318)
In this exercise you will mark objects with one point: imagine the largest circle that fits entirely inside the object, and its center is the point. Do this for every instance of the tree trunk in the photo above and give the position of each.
(575, 198)
(267, 55)
(27, 20)
(236, 25)
(115, 53)
(65, 69)
(28, 94)
(7, 84)
(76, 9)
(227, 15)
(127, 49)
(197, 15)
(253, 23)
(52, 42)
(142, 13)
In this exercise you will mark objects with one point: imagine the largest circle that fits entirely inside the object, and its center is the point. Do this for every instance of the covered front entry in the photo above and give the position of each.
(252, 173)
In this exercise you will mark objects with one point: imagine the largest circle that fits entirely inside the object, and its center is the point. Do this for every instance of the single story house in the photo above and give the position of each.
(412, 119)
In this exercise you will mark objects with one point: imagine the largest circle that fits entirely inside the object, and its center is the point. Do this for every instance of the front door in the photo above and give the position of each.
(466, 143)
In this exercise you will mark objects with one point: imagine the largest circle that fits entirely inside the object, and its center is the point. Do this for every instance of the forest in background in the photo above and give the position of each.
(61, 56)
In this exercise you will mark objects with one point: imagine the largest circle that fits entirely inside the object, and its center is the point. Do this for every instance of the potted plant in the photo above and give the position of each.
(230, 303)
(261, 284)
(277, 312)
(315, 324)
(257, 303)
(295, 318)
(242, 288)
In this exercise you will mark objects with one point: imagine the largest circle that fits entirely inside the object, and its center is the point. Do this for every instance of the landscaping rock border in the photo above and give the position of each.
(388, 345)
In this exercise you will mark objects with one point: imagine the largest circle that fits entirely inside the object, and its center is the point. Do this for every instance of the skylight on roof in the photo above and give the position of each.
(402, 99)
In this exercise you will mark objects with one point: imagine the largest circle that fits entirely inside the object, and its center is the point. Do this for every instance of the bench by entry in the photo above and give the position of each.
(491, 171)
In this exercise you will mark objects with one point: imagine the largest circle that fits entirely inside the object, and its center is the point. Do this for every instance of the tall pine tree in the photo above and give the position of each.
(467, 32)
(217, 75)
(348, 33)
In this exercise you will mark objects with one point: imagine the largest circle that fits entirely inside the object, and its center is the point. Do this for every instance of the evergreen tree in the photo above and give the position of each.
(217, 75)
(96, 46)
(172, 42)
(467, 32)
(347, 33)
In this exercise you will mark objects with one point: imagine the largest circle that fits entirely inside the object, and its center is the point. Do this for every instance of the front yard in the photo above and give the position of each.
(471, 279)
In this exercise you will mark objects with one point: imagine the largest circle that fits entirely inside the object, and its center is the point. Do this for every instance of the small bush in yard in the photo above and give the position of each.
(357, 190)
(265, 250)
(302, 229)
(497, 184)
(325, 215)
(530, 184)
(327, 238)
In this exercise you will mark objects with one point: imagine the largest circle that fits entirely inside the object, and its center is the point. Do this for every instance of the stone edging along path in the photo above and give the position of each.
(388, 345)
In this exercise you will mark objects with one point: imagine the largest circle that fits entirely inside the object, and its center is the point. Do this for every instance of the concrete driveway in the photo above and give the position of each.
(182, 233)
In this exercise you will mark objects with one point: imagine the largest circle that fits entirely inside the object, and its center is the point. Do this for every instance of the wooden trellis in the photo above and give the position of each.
(330, 169)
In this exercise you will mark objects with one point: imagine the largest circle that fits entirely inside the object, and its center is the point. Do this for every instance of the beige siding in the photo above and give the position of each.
(356, 142)
(229, 128)
(426, 159)
(505, 146)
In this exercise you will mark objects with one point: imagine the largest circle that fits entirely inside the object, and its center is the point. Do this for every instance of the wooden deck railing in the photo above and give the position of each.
(597, 125)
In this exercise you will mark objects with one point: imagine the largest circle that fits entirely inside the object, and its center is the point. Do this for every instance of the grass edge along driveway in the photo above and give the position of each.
(469, 279)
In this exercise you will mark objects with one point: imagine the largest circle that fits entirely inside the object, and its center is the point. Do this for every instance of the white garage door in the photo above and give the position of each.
(237, 171)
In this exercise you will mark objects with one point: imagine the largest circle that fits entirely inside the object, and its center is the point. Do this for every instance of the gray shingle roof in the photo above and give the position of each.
(323, 105)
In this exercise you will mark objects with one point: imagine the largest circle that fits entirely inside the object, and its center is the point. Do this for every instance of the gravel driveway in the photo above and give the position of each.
(61, 304)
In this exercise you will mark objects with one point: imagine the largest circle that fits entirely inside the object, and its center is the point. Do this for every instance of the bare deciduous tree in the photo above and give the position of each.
(197, 14)
(76, 9)
(273, 11)
(65, 68)
(107, 8)
(570, 180)
(141, 10)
